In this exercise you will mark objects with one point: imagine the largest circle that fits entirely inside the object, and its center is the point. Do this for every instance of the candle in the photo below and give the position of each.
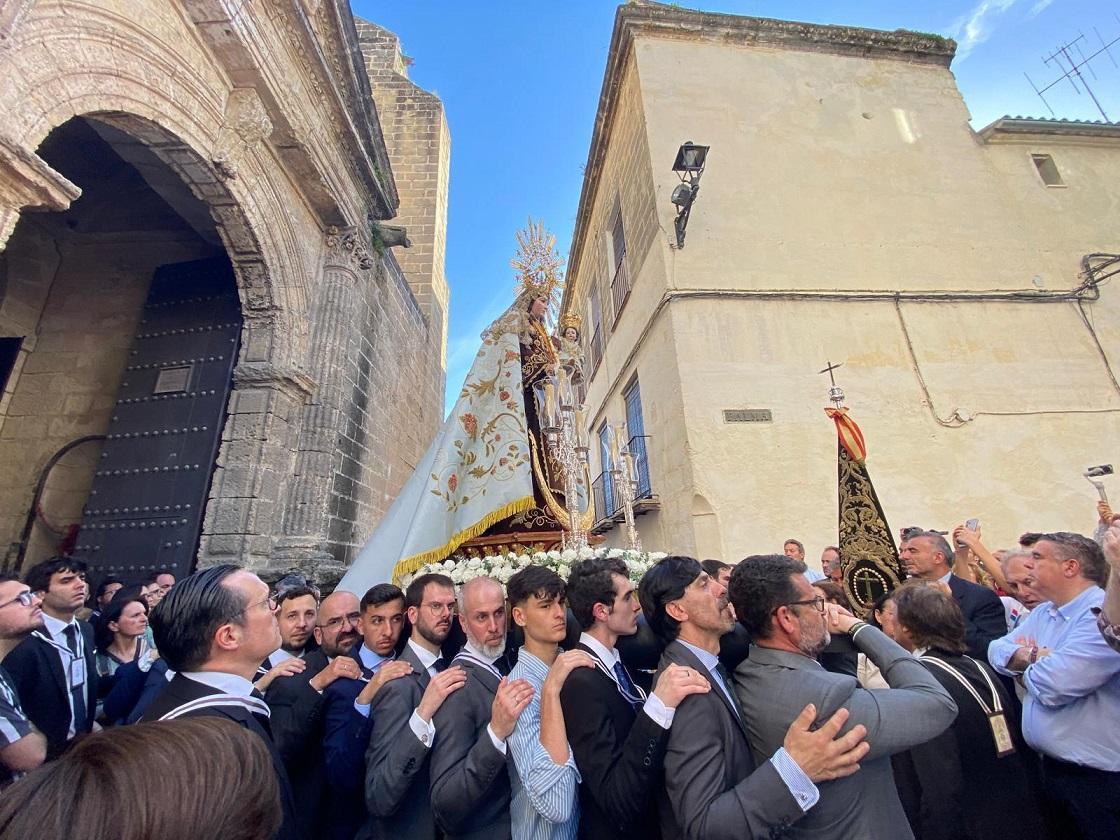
(549, 404)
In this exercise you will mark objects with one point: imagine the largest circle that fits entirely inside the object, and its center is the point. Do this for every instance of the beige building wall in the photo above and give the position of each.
(849, 213)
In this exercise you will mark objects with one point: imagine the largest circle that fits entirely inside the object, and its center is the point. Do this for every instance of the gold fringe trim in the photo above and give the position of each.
(410, 564)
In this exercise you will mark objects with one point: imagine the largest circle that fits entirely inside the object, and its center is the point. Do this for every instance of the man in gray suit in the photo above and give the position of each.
(397, 780)
(790, 624)
(714, 787)
(469, 780)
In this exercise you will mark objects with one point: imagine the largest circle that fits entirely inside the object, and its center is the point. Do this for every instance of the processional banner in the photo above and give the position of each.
(868, 556)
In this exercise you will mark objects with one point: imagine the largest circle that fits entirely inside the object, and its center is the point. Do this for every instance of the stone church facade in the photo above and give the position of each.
(212, 348)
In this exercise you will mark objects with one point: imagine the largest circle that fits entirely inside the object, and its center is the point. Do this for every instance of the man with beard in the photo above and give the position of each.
(470, 784)
(714, 789)
(790, 625)
(295, 616)
(397, 780)
(22, 748)
(53, 669)
(296, 702)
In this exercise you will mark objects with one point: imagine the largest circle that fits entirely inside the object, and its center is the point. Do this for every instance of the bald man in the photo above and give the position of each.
(296, 704)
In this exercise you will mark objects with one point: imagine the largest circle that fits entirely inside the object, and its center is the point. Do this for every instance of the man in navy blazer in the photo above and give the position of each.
(928, 555)
(346, 719)
(53, 669)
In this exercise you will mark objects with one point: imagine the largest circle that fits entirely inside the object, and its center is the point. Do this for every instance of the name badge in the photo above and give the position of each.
(77, 673)
(1002, 735)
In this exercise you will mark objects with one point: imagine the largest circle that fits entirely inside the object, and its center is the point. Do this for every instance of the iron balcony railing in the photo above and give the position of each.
(607, 494)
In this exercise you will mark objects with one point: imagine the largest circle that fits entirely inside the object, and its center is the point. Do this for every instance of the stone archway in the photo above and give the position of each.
(193, 192)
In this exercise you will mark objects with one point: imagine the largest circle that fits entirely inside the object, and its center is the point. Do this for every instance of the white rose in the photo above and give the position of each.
(553, 555)
(564, 570)
(615, 552)
(457, 574)
(524, 560)
(538, 558)
(568, 555)
(654, 556)
(586, 553)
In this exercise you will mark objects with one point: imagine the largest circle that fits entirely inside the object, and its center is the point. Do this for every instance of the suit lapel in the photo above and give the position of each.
(681, 655)
(409, 656)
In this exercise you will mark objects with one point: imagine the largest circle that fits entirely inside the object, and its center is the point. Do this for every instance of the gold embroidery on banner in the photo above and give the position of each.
(554, 507)
(869, 558)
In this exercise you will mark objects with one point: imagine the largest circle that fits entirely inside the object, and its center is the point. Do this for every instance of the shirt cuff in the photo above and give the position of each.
(362, 708)
(499, 744)
(425, 731)
(661, 714)
(800, 785)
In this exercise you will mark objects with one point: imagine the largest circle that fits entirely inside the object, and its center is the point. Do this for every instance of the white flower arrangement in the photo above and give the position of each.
(502, 567)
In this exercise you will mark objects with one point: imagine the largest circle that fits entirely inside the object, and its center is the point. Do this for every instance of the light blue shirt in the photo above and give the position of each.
(799, 784)
(373, 662)
(1072, 698)
(812, 575)
(544, 805)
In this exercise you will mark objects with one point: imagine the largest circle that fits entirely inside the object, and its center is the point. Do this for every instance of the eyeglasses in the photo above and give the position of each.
(270, 600)
(339, 620)
(437, 609)
(818, 602)
(25, 598)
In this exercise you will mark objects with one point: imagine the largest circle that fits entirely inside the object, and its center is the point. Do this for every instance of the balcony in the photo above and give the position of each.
(608, 496)
(620, 287)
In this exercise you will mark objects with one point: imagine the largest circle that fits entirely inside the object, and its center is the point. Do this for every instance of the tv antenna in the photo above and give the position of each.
(1070, 59)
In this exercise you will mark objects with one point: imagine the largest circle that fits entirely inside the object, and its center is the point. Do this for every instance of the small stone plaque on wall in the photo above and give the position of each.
(747, 415)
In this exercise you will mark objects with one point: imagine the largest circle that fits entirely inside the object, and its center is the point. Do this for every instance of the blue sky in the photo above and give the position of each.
(520, 82)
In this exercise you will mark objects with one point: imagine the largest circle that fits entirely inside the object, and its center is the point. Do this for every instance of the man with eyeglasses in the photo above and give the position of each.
(53, 669)
(397, 778)
(22, 747)
(296, 702)
(1072, 682)
(714, 787)
(346, 719)
(213, 629)
(790, 624)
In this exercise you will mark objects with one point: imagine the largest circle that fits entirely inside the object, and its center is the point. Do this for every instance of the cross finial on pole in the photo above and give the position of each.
(835, 393)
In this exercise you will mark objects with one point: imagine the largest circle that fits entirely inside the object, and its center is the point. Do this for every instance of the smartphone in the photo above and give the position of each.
(973, 525)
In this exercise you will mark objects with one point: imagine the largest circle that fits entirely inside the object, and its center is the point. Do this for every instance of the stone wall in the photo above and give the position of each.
(419, 143)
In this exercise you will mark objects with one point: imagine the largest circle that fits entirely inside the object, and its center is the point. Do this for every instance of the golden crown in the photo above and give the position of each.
(537, 263)
(570, 319)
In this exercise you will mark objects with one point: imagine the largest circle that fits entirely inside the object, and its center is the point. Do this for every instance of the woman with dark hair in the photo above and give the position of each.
(970, 782)
(181, 779)
(120, 636)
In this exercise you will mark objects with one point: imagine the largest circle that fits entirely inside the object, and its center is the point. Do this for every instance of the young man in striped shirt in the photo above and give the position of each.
(22, 747)
(545, 804)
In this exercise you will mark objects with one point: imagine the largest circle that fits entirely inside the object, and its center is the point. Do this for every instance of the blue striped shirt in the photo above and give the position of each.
(544, 805)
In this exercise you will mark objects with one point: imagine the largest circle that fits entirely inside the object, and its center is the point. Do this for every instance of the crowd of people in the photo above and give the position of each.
(978, 699)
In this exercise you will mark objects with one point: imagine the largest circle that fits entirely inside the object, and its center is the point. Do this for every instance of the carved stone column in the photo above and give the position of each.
(307, 512)
(27, 182)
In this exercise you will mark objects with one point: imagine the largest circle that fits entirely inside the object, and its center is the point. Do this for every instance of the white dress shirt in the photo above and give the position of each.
(661, 714)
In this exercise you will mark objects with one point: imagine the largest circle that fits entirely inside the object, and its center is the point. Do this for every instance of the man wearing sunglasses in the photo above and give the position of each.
(790, 624)
(22, 747)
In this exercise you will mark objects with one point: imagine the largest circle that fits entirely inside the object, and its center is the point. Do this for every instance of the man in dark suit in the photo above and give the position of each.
(21, 748)
(346, 702)
(53, 669)
(714, 787)
(397, 779)
(790, 624)
(927, 555)
(469, 781)
(213, 628)
(617, 734)
(296, 616)
(296, 702)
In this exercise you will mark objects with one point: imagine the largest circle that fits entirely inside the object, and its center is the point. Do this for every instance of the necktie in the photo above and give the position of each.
(502, 664)
(729, 687)
(439, 665)
(77, 692)
(624, 682)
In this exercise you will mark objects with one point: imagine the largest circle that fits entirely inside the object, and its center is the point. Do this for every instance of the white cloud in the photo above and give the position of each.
(1038, 8)
(977, 26)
